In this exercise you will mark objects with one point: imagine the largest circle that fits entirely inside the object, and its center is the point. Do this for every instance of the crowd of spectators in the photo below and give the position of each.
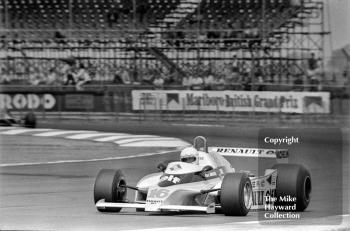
(238, 74)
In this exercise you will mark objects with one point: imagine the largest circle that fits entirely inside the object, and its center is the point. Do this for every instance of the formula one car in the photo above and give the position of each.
(7, 119)
(208, 183)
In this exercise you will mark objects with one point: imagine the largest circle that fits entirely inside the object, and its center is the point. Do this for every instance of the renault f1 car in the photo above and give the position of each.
(210, 186)
(7, 119)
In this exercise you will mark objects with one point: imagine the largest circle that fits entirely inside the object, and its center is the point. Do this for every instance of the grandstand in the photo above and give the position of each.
(270, 39)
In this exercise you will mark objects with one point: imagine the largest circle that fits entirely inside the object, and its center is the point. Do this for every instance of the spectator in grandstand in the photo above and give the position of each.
(312, 62)
(59, 38)
(186, 81)
(209, 81)
(260, 83)
(158, 82)
(147, 76)
(196, 83)
(4, 77)
(134, 75)
(315, 83)
(219, 83)
(125, 76)
(117, 79)
(298, 83)
(171, 78)
(35, 77)
(51, 77)
(229, 75)
(82, 77)
(246, 82)
(235, 64)
(258, 69)
(69, 77)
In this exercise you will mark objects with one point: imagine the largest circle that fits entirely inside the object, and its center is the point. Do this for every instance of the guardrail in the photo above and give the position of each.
(209, 119)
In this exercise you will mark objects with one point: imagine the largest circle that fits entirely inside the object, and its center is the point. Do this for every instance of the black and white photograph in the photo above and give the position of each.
(168, 115)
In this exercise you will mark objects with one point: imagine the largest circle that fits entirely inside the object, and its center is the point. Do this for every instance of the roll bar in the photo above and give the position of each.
(200, 143)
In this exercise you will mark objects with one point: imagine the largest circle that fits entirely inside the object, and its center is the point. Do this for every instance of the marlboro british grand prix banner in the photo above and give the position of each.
(240, 101)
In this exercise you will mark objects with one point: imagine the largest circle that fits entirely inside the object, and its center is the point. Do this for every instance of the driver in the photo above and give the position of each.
(189, 155)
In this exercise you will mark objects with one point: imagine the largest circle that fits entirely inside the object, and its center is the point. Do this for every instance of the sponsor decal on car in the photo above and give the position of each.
(250, 152)
(155, 198)
(263, 187)
(170, 178)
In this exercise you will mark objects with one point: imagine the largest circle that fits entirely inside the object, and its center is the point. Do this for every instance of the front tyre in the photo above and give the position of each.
(110, 185)
(236, 194)
(293, 180)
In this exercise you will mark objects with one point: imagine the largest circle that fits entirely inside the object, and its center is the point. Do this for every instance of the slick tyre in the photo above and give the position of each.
(30, 120)
(236, 194)
(294, 181)
(109, 185)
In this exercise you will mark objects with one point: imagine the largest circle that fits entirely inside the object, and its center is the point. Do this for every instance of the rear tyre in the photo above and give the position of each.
(236, 194)
(110, 185)
(293, 180)
(30, 120)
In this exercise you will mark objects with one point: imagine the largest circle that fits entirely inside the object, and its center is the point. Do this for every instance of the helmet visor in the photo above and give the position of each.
(188, 159)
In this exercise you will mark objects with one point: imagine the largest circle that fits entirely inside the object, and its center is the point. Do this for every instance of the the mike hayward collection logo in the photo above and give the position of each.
(274, 211)
(278, 141)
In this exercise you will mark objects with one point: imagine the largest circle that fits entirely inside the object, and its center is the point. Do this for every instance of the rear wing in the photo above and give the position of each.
(250, 152)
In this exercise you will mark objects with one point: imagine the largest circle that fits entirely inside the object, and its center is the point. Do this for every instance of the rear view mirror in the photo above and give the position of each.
(207, 168)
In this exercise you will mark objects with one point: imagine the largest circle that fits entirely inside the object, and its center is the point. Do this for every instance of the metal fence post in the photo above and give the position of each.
(144, 110)
(199, 110)
(280, 113)
(160, 109)
(217, 110)
(43, 110)
(183, 108)
(115, 105)
(87, 111)
(59, 98)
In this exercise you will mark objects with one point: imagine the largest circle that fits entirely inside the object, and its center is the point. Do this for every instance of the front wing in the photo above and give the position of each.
(208, 209)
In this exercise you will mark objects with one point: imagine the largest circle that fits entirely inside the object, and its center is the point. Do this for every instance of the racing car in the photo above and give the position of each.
(204, 181)
(7, 119)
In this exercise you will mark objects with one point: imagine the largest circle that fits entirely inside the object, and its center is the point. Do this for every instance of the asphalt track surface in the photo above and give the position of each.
(60, 196)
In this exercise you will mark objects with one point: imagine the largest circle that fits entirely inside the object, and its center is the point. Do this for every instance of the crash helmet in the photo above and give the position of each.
(189, 155)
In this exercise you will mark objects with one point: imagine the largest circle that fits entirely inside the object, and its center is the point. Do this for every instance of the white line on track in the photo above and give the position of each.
(156, 143)
(8, 128)
(59, 132)
(131, 140)
(110, 138)
(89, 135)
(24, 130)
(121, 139)
(89, 160)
